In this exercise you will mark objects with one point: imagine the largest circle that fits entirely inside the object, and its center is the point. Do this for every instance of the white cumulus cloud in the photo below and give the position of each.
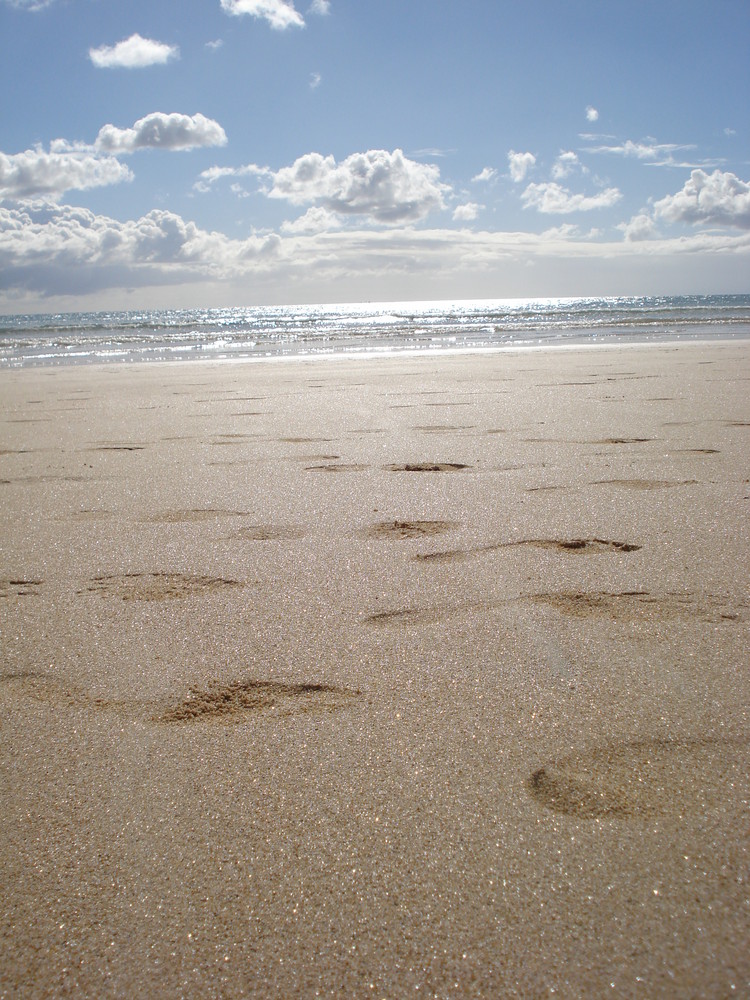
(315, 220)
(467, 212)
(592, 115)
(280, 14)
(39, 174)
(133, 53)
(520, 164)
(565, 164)
(640, 227)
(386, 186)
(485, 175)
(552, 198)
(60, 249)
(161, 131)
(717, 199)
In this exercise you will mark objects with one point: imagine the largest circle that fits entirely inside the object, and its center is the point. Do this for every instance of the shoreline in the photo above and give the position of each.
(386, 354)
(371, 678)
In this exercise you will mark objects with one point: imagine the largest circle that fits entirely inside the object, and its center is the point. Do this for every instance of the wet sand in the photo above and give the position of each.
(412, 676)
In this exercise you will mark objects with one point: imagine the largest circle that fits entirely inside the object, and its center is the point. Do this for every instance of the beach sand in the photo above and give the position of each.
(419, 676)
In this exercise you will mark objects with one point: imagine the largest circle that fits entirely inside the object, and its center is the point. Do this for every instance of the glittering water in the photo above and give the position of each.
(364, 328)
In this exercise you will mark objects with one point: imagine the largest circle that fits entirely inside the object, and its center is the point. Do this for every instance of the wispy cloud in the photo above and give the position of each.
(320, 7)
(592, 115)
(430, 151)
(133, 53)
(315, 81)
(649, 150)
(32, 5)
(280, 14)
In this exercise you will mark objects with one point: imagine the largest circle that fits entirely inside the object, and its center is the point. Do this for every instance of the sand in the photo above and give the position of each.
(377, 678)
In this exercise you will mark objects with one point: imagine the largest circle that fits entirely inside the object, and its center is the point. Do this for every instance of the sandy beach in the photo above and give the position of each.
(419, 676)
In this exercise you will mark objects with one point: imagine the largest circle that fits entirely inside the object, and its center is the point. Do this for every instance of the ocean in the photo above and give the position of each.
(265, 332)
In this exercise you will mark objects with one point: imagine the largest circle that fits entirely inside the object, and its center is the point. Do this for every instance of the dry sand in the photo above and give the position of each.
(408, 677)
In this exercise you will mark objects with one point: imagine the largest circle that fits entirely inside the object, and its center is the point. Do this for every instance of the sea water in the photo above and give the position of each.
(265, 332)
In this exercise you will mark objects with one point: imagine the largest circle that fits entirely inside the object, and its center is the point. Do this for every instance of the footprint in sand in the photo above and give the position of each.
(269, 533)
(91, 514)
(443, 428)
(430, 616)
(19, 587)
(117, 447)
(45, 689)
(195, 516)
(407, 616)
(305, 440)
(700, 451)
(232, 439)
(231, 701)
(337, 467)
(228, 702)
(409, 529)
(156, 586)
(427, 467)
(555, 544)
(645, 778)
(579, 544)
(621, 440)
(645, 484)
(630, 604)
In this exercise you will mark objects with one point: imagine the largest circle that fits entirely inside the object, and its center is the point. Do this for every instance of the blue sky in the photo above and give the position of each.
(240, 152)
